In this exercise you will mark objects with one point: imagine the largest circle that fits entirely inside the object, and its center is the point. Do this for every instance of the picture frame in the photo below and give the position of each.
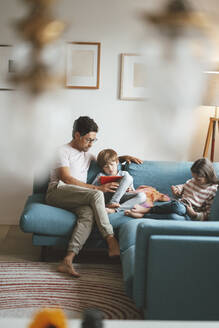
(6, 66)
(83, 65)
(133, 77)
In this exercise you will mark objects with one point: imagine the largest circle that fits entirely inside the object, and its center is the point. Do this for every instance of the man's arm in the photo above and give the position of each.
(65, 175)
(129, 159)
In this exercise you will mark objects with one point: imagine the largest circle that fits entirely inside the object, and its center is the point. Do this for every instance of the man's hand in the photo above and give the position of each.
(191, 212)
(129, 159)
(108, 187)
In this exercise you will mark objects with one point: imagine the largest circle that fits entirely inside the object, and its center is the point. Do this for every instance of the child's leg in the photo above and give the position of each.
(125, 182)
(135, 215)
(108, 197)
(173, 206)
(141, 208)
(167, 208)
(129, 200)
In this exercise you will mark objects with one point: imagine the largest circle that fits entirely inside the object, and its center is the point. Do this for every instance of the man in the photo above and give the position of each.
(68, 189)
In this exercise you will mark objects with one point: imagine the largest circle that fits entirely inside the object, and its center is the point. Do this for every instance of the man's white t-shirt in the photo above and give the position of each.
(77, 161)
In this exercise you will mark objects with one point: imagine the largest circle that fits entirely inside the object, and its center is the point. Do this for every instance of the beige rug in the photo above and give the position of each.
(28, 286)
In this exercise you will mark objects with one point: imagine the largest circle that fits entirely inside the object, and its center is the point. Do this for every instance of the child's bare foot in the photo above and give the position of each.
(135, 215)
(67, 267)
(110, 210)
(113, 205)
(140, 209)
(114, 249)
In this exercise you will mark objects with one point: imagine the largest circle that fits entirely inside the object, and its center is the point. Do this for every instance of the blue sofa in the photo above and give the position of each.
(51, 226)
(170, 267)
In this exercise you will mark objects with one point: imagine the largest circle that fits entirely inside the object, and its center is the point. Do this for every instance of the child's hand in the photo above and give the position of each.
(191, 212)
(175, 191)
(109, 187)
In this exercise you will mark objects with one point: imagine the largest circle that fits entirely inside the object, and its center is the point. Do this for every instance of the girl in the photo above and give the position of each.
(194, 197)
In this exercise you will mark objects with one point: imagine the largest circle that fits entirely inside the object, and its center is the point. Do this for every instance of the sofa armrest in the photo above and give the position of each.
(182, 281)
(148, 228)
(40, 218)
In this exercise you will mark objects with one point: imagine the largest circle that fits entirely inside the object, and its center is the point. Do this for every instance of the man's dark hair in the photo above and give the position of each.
(84, 125)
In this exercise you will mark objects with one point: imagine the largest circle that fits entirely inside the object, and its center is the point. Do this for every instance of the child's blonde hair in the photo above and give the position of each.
(203, 167)
(106, 156)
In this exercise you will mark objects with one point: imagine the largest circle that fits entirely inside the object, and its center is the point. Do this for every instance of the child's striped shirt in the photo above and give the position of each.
(200, 197)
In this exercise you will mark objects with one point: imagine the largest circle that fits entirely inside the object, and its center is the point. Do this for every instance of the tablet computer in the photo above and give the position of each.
(110, 178)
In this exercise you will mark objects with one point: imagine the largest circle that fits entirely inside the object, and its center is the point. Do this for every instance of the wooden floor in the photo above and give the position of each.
(15, 245)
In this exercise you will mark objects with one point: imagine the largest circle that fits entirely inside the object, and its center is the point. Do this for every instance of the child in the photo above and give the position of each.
(195, 196)
(124, 197)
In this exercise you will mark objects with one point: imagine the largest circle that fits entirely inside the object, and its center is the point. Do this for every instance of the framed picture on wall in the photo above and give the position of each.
(133, 77)
(6, 66)
(83, 65)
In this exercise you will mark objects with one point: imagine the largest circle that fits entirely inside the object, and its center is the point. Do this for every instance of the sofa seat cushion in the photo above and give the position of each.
(41, 218)
(171, 216)
(118, 219)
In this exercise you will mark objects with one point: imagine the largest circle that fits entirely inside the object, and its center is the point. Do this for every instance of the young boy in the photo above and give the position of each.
(124, 197)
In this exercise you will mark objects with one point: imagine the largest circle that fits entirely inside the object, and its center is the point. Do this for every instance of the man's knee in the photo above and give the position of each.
(96, 195)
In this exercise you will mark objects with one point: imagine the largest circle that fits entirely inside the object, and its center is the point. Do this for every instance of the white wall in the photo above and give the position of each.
(124, 125)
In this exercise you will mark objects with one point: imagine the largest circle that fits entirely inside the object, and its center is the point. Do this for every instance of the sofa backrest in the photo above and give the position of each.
(40, 183)
(162, 174)
(158, 174)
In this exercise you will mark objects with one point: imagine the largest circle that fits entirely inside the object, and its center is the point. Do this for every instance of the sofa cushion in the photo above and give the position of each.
(117, 219)
(127, 234)
(147, 228)
(94, 169)
(160, 174)
(214, 214)
(128, 269)
(43, 219)
(182, 278)
(40, 183)
(171, 216)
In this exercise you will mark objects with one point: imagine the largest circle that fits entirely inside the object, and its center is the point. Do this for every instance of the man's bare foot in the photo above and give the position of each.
(110, 210)
(135, 215)
(140, 209)
(113, 205)
(67, 267)
(114, 249)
